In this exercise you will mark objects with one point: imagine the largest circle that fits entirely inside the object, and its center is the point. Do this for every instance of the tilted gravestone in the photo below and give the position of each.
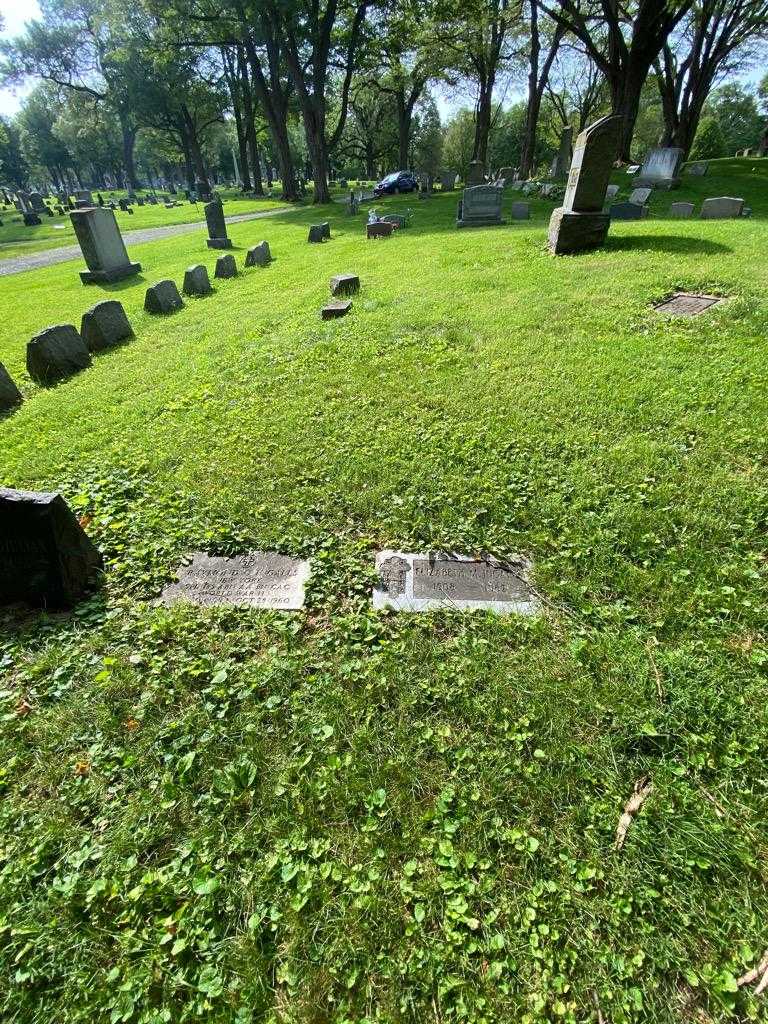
(611, 192)
(661, 168)
(379, 229)
(105, 325)
(413, 582)
(721, 207)
(196, 281)
(163, 297)
(627, 211)
(225, 266)
(398, 219)
(258, 579)
(316, 233)
(681, 209)
(102, 245)
(36, 202)
(480, 206)
(345, 284)
(258, 255)
(580, 223)
(217, 226)
(521, 211)
(698, 168)
(562, 161)
(10, 396)
(333, 310)
(640, 195)
(56, 353)
(31, 220)
(45, 556)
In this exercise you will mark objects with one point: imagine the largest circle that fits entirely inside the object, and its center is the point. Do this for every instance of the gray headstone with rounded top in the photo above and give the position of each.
(56, 353)
(721, 207)
(258, 255)
(480, 206)
(681, 209)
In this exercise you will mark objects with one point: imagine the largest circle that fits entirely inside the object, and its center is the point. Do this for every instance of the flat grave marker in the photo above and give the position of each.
(258, 579)
(687, 304)
(436, 580)
(336, 308)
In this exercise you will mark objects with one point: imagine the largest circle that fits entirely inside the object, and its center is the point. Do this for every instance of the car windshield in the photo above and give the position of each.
(390, 178)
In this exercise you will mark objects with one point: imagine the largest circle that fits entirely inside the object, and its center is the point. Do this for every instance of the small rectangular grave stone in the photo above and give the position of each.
(196, 281)
(258, 255)
(105, 325)
(45, 556)
(226, 266)
(31, 220)
(435, 580)
(682, 209)
(333, 310)
(163, 297)
(10, 396)
(398, 219)
(316, 233)
(379, 229)
(721, 207)
(627, 211)
(521, 211)
(685, 304)
(259, 579)
(345, 284)
(698, 168)
(56, 353)
(480, 206)
(640, 195)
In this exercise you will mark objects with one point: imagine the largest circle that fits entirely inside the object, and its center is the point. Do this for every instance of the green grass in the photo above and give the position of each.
(344, 816)
(18, 240)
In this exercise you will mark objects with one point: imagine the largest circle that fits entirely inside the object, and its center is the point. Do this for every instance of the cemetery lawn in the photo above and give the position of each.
(337, 815)
(18, 240)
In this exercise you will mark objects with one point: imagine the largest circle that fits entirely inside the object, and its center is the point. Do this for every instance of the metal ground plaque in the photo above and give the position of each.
(260, 579)
(422, 582)
(686, 304)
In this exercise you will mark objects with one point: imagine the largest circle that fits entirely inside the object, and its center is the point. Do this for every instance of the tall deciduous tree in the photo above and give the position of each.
(624, 41)
(539, 67)
(716, 38)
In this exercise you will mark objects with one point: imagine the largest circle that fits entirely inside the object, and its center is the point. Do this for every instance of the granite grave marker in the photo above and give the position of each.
(102, 245)
(56, 353)
(259, 579)
(163, 297)
(105, 325)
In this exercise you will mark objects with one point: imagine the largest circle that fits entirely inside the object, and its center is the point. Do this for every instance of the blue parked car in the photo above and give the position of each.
(400, 181)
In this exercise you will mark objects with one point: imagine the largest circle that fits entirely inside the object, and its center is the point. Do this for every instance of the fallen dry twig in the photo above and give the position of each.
(755, 973)
(642, 791)
(656, 673)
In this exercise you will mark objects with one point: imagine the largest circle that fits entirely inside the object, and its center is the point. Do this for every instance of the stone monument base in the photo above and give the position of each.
(479, 222)
(662, 184)
(109, 276)
(219, 243)
(577, 232)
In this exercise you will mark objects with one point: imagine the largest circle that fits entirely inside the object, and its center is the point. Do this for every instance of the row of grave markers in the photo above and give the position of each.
(47, 559)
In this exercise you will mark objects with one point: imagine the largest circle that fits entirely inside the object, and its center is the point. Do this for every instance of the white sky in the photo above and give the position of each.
(14, 13)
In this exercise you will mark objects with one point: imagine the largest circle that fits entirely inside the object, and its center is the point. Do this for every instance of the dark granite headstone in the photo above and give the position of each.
(475, 173)
(105, 325)
(102, 245)
(31, 220)
(45, 556)
(580, 223)
(379, 229)
(56, 353)
(627, 211)
(258, 255)
(562, 161)
(10, 396)
(163, 297)
(217, 226)
(196, 281)
(225, 266)
(333, 310)
(480, 206)
(316, 233)
(345, 284)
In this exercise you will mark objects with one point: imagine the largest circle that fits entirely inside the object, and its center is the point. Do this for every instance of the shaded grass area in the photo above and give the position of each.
(337, 815)
(18, 240)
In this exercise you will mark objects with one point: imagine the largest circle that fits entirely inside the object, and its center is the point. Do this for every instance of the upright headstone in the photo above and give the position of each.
(102, 245)
(661, 168)
(580, 223)
(316, 233)
(84, 195)
(31, 220)
(105, 325)
(681, 209)
(698, 168)
(45, 556)
(10, 396)
(447, 181)
(345, 284)
(36, 202)
(640, 196)
(721, 207)
(521, 211)
(480, 206)
(562, 162)
(196, 281)
(475, 173)
(217, 226)
(258, 255)
(627, 211)
(56, 353)
(225, 266)
(163, 297)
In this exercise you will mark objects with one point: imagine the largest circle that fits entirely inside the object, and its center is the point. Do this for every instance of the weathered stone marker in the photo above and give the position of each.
(580, 223)
(326, 229)
(627, 211)
(611, 192)
(10, 396)
(258, 255)
(480, 206)
(260, 579)
(345, 284)
(225, 266)
(475, 173)
(217, 226)
(316, 233)
(333, 310)
(56, 353)
(698, 168)
(196, 281)
(661, 168)
(163, 297)
(681, 209)
(45, 556)
(562, 162)
(686, 304)
(434, 580)
(105, 325)
(398, 219)
(103, 247)
(640, 195)
(31, 220)
(521, 211)
(721, 207)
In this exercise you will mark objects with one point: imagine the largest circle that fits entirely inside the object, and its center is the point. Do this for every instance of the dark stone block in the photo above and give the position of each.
(226, 266)
(345, 284)
(10, 396)
(627, 211)
(335, 309)
(258, 255)
(31, 220)
(577, 232)
(196, 281)
(45, 556)
(316, 233)
(105, 325)
(163, 297)
(56, 353)
(381, 229)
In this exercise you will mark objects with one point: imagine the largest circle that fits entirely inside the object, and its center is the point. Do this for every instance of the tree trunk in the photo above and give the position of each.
(189, 170)
(626, 90)
(253, 145)
(129, 141)
(195, 151)
(314, 130)
(245, 178)
(404, 120)
(483, 120)
(274, 105)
